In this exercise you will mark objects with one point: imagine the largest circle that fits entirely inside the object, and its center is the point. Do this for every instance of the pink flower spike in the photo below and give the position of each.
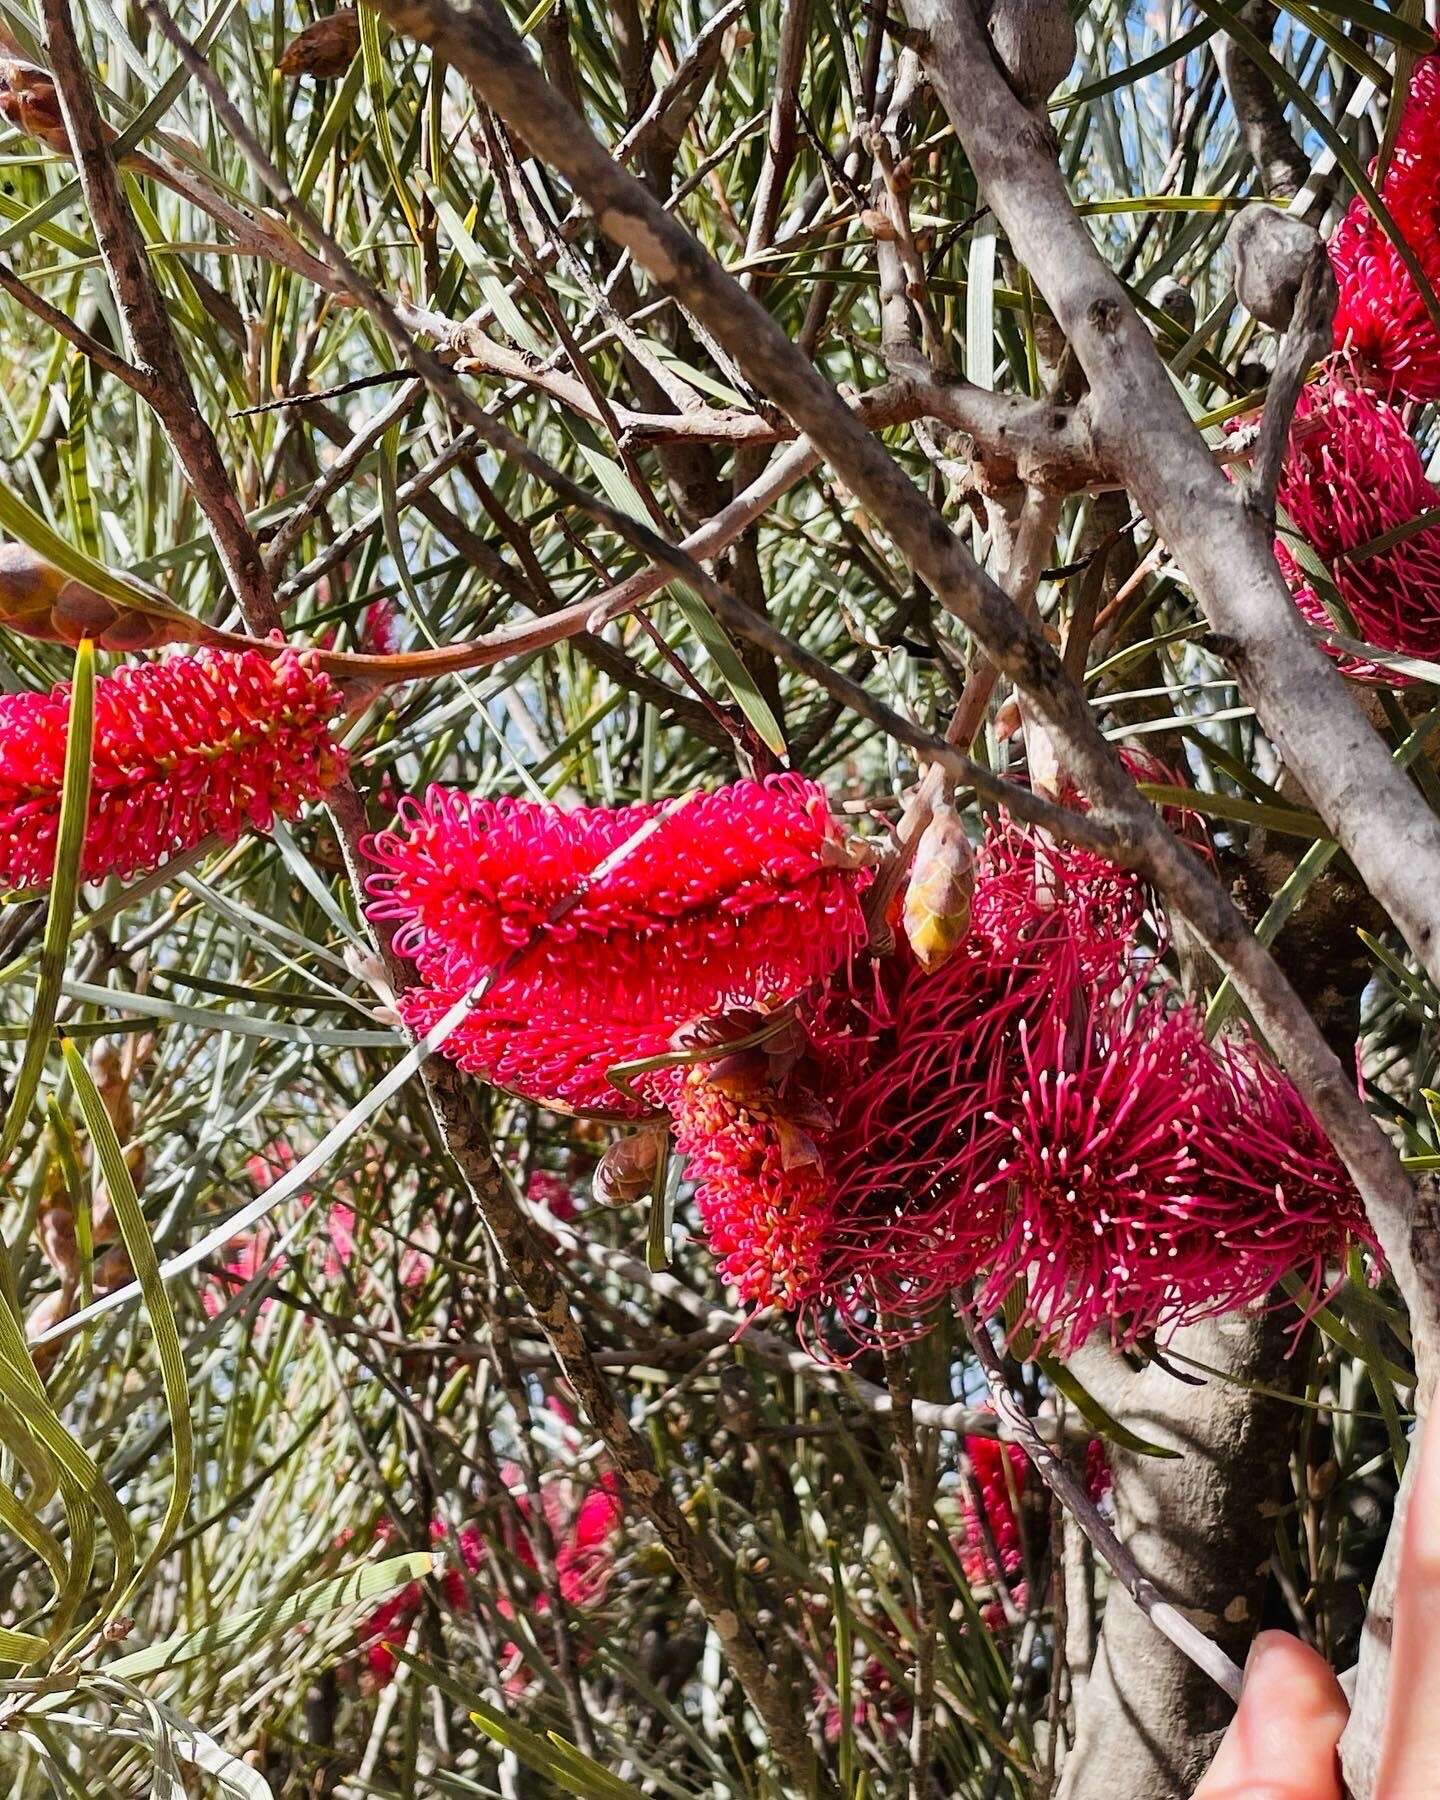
(736, 897)
(1382, 320)
(1353, 475)
(192, 745)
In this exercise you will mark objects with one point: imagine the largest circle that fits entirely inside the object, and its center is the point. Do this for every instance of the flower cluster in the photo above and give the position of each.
(601, 930)
(1041, 1118)
(1354, 475)
(1044, 1119)
(1382, 319)
(182, 748)
(584, 1526)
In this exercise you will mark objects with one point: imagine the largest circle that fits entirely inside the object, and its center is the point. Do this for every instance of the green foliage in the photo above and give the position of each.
(249, 1462)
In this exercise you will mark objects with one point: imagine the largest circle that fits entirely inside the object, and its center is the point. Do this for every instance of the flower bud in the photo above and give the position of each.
(942, 881)
(325, 49)
(113, 1270)
(55, 1227)
(1035, 43)
(49, 1311)
(40, 601)
(627, 1171)
(29, 586)
(1271, 251)
(29, 101)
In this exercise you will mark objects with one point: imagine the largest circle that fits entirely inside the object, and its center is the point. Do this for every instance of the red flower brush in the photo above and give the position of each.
(192, 745)
(734, 898)
(1382, 319)
(1354, 474)
(584, 1526)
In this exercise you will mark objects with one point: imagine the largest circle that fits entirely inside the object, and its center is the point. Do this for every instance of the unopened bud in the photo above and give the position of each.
(942, 883)
(112, 1087)
(29, 588)
(325, 49)
(55, 1230)
(40, 601)
(627, 1171)
(1271, 251)
(113, 1270)
(29, 101)
(50, 1311)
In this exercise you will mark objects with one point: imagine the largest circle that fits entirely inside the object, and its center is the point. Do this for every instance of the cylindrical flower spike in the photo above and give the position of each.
(182, 748)
(1382, 319)
(739, 897)
(763, 1202)
(1353, 475)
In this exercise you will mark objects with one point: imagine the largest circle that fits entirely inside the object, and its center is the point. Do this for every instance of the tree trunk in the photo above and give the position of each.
(1149, 1721)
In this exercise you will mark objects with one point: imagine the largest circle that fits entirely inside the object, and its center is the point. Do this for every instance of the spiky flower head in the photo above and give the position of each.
(1382, 319)
(1353, 475)
(214, 742)
(597, 951)
(1043, 1119)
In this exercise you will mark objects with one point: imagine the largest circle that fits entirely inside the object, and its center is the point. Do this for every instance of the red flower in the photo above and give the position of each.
(1033, 1122)
(246, 1257)
(1353, 474)
(553, 1192)
(999, 1472)
(584, 1525)
(762, 1195)
(182, 748)
(380, 629)
(1381, 318)
(738, 896)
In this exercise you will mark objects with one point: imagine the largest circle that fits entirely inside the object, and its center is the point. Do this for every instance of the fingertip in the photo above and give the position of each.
(1282, 1672)
(1284, 1739)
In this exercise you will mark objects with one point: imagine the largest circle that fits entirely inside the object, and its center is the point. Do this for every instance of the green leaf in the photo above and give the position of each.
(69, 845)
(259, 1624)
(550, 1756)
(1095, 1415)
(135, 1235)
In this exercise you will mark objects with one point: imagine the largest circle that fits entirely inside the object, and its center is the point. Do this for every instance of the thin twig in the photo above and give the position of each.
(1070, 1492)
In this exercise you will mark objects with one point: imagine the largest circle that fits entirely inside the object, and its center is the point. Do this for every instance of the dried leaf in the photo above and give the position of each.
(325, 49)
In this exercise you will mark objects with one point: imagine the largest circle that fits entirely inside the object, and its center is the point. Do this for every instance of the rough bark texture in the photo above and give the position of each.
(1279, 161)
(1149, 1721)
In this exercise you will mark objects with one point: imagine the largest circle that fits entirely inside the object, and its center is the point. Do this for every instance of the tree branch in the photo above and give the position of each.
(147, 325)
(481, 43)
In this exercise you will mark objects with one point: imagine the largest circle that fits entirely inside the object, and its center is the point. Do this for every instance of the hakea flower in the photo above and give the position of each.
(880, 1704)
(192, 745)
(553, 1192)
(584, 1528)
(990, 1545)
(762, 1199)
(1042, 1119)
(247, 1257)
(990, 1530)
(737, 897)
(1354, 474)
(1382, 319)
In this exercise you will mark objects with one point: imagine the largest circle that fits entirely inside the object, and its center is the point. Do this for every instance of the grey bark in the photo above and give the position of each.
(1149, 1721)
